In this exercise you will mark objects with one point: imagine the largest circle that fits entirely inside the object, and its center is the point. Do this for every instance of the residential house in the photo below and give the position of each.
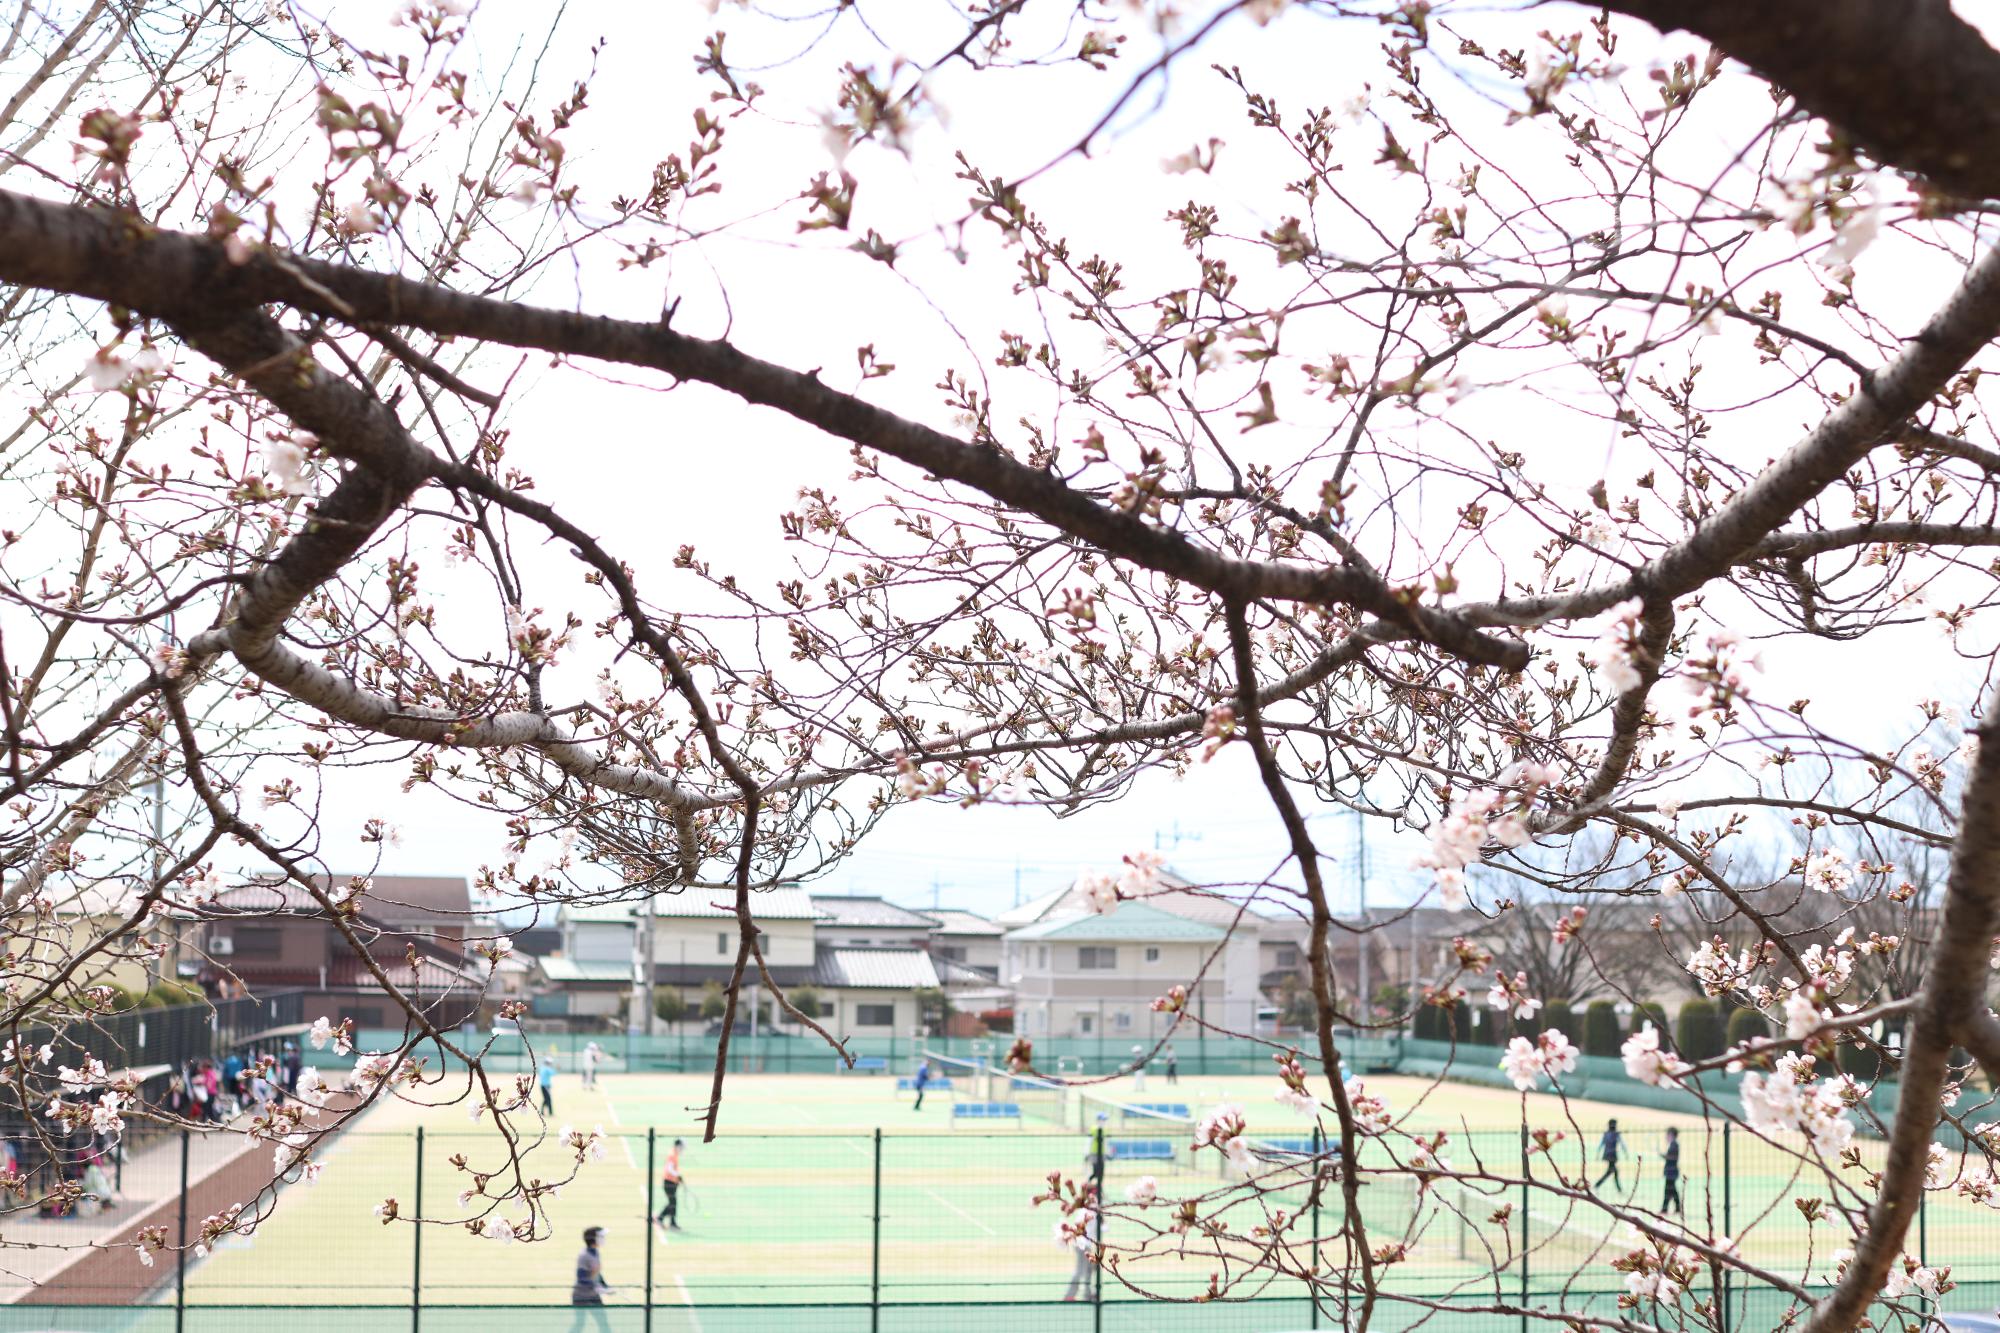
(1230, 990)
(867, 922)
(871, 992)
(968, 939)
(1088, 975)
(272, 933)
(591, 975)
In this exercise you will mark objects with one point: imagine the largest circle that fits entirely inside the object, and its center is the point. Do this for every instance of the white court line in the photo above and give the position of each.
(611, 1109)
(688, 1301)
(962, 1213)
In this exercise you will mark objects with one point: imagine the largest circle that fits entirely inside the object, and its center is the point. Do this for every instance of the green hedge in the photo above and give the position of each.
(1698, 1033)
(1747, 1025)
(1600, 1029)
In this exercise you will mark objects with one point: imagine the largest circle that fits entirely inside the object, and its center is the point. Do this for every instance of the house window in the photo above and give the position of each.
(722, 941)
(257, 941)
(1152, 953)
(1288, 957)
(1096, 958)
(875, 1015)
(1042, 956)
(952, 952)
(1085, 1023)
(1122, 1020)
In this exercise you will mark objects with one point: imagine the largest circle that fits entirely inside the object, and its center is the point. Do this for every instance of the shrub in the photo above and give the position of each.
(1424, 1023)
(1862, 1062)
(1698, 1033)
(1558, 1015)
(1747, 1025)
(168, 993)
(669, 1004)
(713, 1003)
(806, 1000)
(1600, 1029)
(1489, 1029)
(1653, 1013)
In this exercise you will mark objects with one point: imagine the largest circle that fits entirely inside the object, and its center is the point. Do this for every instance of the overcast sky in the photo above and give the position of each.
(650, 471)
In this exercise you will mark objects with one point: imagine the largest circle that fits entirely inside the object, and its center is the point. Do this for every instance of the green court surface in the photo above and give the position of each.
(783, 1208)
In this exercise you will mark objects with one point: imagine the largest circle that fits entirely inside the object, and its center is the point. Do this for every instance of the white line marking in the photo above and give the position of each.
(688, 1301)
(961, 1212)
(611, 1109)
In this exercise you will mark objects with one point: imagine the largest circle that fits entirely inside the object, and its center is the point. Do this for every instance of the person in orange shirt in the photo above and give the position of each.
(670, 1184)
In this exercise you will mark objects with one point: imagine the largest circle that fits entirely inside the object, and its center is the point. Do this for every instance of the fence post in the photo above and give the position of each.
(1097, 1259)
(1526, 1239)
(875, 1245)
(652, 1143)
(180, 1250)
(417, 1242)
(1312, 1265)
(1727, 1228)
(1924, 1227)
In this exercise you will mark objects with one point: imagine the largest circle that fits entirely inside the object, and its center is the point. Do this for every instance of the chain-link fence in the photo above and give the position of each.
(882, 1230)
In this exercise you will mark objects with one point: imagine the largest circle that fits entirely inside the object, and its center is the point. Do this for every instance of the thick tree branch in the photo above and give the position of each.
(1908, 80)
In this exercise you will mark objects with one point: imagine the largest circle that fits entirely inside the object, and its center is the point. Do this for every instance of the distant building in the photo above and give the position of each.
(1088, 975)
(1229, 995)
(860, 955)
(967, 939)
(271, 934)
(858, 921)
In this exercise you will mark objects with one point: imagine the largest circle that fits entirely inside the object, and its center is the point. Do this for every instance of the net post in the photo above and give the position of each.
(1924, 1227)
(875, 1245)
(417, 1242)
(1526, 1239)
(180, 1250)
(1727, 1228)
(652, 1144)
(1097, 1265)
(1312, 1265)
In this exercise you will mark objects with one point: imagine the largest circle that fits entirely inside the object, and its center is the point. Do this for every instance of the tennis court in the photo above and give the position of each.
(832, 1199)
(783, 1209)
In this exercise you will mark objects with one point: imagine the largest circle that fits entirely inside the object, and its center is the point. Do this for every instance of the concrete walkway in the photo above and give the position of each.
(35, 1250)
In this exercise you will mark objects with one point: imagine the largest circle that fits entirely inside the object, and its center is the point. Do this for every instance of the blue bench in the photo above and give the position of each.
(1154, 1111)
(985, 1111)
(1298, 1147)
(1141, 1150)
(935, 1085)
(867, 1064)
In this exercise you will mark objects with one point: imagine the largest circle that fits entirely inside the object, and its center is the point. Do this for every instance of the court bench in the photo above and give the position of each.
(985, 1111)
(1141, 1150)
(1154, 1111)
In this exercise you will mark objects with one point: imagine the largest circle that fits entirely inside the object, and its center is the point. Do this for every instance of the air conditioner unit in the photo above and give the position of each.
(222, 946)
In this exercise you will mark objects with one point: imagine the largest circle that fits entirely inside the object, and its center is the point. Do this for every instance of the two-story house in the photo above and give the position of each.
(273, 934)
(1082, 975)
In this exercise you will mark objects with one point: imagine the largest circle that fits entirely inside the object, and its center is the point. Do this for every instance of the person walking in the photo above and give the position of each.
(1084, 1272)
(548, 1081)
(1671, 1169)
(294, 1066)
(923, 1080)
(592, 1055)
(1173, 1064)
(1610, 1148)
(587, 1295)
(670, 1186)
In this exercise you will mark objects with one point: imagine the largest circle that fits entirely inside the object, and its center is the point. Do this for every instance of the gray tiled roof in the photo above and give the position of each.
(877, 969)
(867, 910)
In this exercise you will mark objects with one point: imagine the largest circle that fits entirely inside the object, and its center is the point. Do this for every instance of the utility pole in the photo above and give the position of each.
(162, 963)
(1362, 941)
(646, 982)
